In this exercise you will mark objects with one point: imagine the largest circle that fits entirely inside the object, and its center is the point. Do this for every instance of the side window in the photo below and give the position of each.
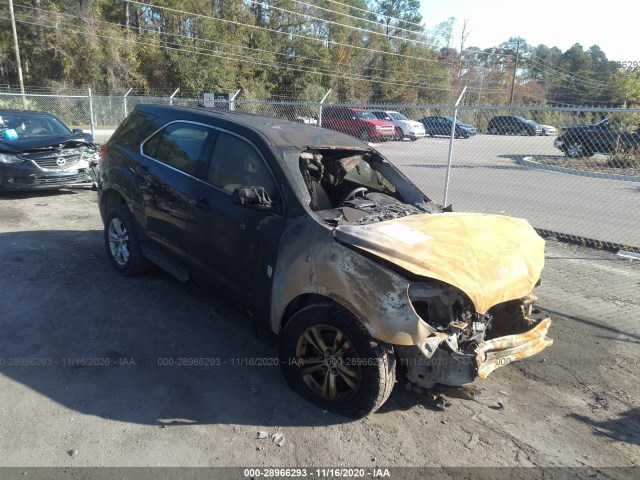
(135, 129)
(179, 145)
(235, 163)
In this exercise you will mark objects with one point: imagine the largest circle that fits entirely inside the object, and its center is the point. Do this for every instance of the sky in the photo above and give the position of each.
(612, 25)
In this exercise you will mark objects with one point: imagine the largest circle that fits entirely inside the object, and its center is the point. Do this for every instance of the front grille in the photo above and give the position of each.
(57, 159)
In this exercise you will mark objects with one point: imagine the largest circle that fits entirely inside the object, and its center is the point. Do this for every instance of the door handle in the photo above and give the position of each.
(203, 204)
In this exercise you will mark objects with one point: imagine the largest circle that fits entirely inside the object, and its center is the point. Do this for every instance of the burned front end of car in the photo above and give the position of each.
(450, 292)
(465, 344)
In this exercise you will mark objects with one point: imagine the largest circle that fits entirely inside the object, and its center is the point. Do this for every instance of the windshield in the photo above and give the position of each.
(366, 115)
(397, 116)
(30, 126)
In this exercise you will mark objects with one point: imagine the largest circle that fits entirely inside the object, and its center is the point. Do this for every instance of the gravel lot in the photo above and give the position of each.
(576, 404)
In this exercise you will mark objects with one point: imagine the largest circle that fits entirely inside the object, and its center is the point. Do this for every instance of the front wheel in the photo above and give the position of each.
(329, 358)
(364, 135)
(122, 243)
(576, 150)
(399, 135)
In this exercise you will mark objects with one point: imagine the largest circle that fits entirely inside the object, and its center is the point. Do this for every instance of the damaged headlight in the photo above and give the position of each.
(6, 158)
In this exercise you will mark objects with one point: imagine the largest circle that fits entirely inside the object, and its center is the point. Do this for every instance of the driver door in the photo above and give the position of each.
(234, 246)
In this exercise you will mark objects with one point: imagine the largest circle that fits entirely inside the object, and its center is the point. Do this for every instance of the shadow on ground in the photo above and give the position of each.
(146, 350)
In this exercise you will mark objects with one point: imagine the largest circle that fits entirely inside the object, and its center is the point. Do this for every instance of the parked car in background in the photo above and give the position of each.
(586, 140)
(405, 128)
(38, 151)
(547, 130)
(358, 122)
(322, 240)
(511, 124)
(442, 126)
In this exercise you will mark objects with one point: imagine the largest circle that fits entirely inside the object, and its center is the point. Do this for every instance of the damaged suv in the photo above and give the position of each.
(38, 151)
(322, 239)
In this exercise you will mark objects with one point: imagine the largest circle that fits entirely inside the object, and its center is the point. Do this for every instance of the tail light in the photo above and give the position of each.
(103, 153)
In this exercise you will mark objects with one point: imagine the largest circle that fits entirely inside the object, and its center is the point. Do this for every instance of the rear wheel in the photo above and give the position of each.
(122, 243)
(329, 358)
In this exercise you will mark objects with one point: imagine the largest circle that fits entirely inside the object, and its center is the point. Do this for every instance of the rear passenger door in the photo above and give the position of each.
(235, 246)
(167, 182)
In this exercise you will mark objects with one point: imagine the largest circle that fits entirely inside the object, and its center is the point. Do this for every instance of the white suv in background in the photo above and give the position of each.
(404, 127)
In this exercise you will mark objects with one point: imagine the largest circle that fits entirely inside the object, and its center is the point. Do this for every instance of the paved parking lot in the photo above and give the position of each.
(485, 176)
(576, 404)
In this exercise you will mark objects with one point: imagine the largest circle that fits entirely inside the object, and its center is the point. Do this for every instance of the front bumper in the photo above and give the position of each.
(25, 176)
(456, 368)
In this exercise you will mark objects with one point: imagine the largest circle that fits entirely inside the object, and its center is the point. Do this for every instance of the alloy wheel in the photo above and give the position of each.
(119, 241)
(328, 363)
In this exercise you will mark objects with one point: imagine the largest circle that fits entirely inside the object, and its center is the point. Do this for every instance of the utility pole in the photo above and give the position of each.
(515, 70)
(17, 50)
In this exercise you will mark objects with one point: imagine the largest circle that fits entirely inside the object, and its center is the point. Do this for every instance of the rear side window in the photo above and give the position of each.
(136, 127)
(179, 145)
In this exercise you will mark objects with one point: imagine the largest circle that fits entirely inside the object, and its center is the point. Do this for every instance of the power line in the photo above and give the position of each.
(252, 61)
(290, 34)
(281, 64)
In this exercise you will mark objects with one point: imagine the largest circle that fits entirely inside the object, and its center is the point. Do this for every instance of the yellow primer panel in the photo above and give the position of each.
(491, 258)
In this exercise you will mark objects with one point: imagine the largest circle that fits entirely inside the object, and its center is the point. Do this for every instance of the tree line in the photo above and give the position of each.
(374, 51)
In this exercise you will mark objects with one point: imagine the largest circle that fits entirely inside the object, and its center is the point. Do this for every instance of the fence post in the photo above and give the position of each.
(320, 108)
(232, 100)
(173, 95)
(91, 122)
(453, 134)
(125, 102)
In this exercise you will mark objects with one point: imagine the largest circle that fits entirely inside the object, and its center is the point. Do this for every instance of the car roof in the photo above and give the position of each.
(4, 111)
(279, 132)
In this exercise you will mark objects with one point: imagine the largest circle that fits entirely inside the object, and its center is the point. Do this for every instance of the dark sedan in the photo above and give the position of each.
(38, 151)
(442, 126)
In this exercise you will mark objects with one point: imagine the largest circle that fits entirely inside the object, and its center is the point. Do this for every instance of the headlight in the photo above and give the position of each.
(6, 158)
(380, 127)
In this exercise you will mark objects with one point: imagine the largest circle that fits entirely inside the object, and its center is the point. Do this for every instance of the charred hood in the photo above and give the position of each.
(491, 258)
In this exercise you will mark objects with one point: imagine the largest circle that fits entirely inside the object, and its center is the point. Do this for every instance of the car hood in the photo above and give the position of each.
(491, 258)
(26, 144)
(411, 123)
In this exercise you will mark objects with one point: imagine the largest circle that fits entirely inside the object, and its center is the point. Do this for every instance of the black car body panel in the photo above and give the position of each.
(37, 151)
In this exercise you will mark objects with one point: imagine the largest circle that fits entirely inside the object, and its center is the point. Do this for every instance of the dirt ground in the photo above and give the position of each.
(575, 404)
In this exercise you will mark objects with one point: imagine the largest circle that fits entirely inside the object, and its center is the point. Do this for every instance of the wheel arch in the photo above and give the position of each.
(305, 300)
(109, 199)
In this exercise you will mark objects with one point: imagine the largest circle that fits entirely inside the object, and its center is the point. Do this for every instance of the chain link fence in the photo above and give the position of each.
(581, 183)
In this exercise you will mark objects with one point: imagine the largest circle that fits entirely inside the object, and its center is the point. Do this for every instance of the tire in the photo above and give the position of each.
(576, 150)
(363, 375)
(122, 242)
(364, 135)
(493, 131)
(525, 132)
(413, 139)
(399, 135)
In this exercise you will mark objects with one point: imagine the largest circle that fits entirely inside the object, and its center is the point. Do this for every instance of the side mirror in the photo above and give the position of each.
(254, 198)
(77, 130)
